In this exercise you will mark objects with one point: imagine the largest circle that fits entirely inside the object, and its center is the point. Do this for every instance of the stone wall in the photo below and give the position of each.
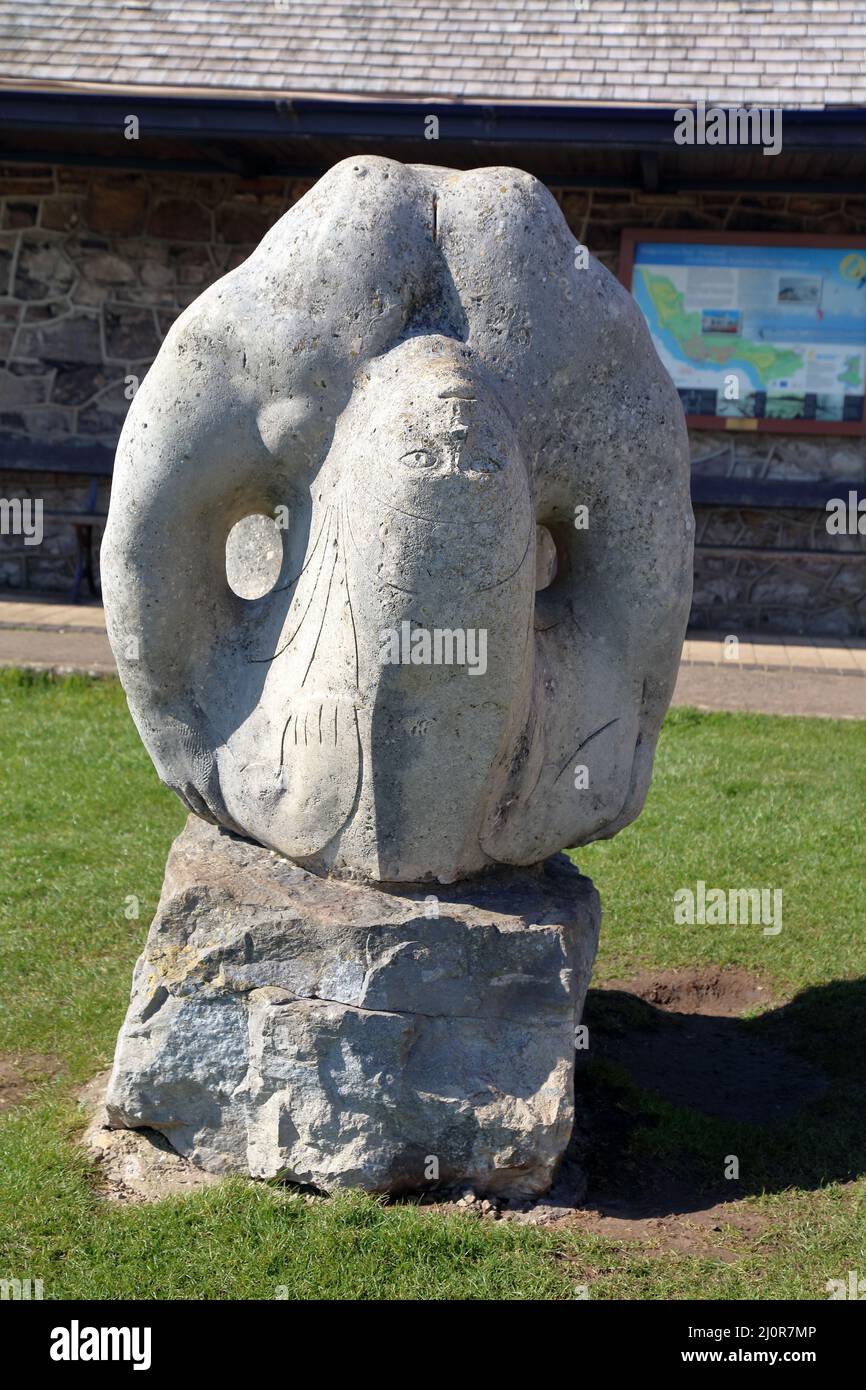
(94, 268)
(759, 587)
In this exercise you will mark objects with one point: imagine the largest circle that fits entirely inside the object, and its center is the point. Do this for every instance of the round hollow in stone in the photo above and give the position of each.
(254, 556)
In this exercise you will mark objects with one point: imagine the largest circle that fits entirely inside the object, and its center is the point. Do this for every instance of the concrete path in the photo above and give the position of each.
(45, 635)
(769, 675)
(774, 675)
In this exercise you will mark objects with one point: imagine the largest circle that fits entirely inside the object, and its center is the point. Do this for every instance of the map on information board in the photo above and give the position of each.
(758, 331)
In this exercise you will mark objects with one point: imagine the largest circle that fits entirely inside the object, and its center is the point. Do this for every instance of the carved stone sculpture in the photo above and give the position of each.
(481, 472)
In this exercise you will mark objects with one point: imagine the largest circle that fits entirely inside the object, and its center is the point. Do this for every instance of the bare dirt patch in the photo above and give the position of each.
(680, 1036)
(722, 993)
(20, 1072)
(135, 1165)
(676, 1217)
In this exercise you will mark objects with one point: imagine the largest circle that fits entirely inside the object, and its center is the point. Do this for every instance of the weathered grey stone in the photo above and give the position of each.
(418, 365)
(339, 1034)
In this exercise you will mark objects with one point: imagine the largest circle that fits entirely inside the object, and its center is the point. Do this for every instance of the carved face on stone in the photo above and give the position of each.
(415, 371)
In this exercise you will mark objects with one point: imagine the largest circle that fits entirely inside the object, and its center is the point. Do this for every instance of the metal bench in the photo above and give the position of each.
(791, 494)
(74, 459)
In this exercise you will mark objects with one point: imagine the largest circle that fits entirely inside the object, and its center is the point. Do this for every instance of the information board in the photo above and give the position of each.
(760, 332)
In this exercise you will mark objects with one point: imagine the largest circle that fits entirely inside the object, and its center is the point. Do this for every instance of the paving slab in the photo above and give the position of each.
(819, 694)
(65, 653)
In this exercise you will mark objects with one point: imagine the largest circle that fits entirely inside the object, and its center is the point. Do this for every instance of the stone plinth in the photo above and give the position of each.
(339, 1034)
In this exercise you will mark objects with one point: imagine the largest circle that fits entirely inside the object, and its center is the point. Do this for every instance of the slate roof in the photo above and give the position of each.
(795, 53)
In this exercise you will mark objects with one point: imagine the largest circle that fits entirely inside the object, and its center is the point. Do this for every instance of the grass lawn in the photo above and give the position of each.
(737, 801)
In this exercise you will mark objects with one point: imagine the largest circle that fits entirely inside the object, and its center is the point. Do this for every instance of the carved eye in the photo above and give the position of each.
(418, 458)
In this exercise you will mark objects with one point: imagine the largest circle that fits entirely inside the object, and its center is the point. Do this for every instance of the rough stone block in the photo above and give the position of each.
(339, 1034)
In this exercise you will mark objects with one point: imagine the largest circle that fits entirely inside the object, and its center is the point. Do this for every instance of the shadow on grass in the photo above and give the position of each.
(670, 1103)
